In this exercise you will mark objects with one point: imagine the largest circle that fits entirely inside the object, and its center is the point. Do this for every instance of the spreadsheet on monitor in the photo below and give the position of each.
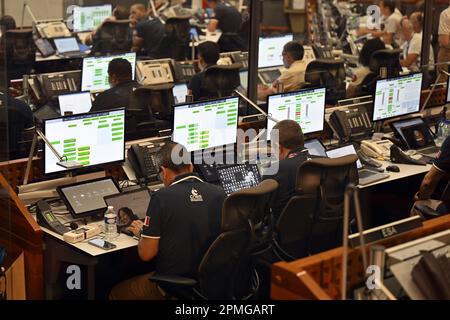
(89, 18)
(270, 50)
(205, 125)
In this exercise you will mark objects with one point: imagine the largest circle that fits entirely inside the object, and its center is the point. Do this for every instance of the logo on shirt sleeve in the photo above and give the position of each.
(195, 196)
(147, 222)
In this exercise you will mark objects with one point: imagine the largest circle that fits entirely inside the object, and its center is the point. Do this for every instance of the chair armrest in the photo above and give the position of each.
(173, 280)
(426, 211)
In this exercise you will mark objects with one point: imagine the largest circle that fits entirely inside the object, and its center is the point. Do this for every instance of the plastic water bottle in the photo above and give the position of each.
(110, 224)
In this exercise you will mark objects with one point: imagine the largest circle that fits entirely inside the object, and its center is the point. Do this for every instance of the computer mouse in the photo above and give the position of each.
(393, 169)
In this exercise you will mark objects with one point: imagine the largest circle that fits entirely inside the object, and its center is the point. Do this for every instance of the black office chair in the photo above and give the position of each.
(20, 52)
(252, 206)
(113, 37)
(220, 81)
(434, 208)
(329, 74)
(175, 43)
(312, 220)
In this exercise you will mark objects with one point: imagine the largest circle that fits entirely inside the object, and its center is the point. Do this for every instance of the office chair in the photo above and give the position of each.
(430, 209)
(252, 206)
(312, 220)
(329, 74)
(220, 81)
(383, 64)
(113, 37)
(20, 52)
(225, 272)
(175, 43)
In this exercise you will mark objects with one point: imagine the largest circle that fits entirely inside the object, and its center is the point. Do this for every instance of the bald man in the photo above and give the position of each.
(148, 33)
(412, 47)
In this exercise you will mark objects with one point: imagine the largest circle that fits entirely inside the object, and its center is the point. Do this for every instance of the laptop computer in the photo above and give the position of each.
(79, 102)
(316, 148)
(366, 176)
(414, 134)
(268, 76)
(68, 47)
(237, 177)
(180, 91)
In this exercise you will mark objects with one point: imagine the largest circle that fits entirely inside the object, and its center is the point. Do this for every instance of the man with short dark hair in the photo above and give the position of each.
(182, 221)
(149, 31)
(208, 55)
(293, 77)
(292, 154)
(122, 87)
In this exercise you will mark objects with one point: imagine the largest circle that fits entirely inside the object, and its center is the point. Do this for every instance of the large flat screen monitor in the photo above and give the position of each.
(95, 71)
(89, 18)
(207, 124)
(270, 50)
(397, 96)
(90, 139)
(306, 107)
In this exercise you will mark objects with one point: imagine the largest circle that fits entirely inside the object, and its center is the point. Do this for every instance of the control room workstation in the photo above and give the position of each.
(160, 146)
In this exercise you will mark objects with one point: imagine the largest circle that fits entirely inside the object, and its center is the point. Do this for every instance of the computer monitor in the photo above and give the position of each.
(89, 18)
(237, 177)
(76, 103)
(64, 45)
(270, 50)
(342, 152)
(306, 107)
(95, 71)
(207, 124)
(90, 139)
(397, 96)
(180, 91)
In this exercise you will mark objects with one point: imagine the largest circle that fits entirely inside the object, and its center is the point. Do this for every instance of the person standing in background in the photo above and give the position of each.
(444, 40)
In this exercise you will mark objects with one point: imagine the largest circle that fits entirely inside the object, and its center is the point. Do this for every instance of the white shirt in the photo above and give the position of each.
(414, 46)
(392, 25)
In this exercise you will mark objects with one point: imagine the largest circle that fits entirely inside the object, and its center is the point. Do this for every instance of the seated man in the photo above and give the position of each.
(179, 232)
(122, 87)
(291, 79)
(149, 31)
(292, 153)
(438, 171)
(208, 55)
(412, 47)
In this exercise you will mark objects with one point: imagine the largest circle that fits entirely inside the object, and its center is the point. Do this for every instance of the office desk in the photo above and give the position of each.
(56, 57)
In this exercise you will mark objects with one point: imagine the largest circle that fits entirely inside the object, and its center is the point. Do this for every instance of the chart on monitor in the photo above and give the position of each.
(306, 107)
(89, 139)
(271, 49)
(397, 96)
(205, 125)
(95, 71)
(89, 18)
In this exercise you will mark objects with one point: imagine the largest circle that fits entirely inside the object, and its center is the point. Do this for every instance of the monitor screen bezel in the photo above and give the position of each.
(293, 93)
(205, 101)
(393, 79)
(89, 30)
(114, 56)
(93, 114)
(272, 37)
(72, 94)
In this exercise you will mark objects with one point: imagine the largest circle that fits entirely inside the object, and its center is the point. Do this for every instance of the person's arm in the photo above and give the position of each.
(410, 59)
(148, 248)
(138, 43)
(263, 92)
(212, 25)
(444, 40)
(429, 183)
(388, 38)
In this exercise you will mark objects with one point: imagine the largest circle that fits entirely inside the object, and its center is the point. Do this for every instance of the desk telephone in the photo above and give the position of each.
(53, 29)
(143, 161)
(154, 72)
(184, 70)
(54, 85)
(47, 219)
(352, 123)
(377, 149)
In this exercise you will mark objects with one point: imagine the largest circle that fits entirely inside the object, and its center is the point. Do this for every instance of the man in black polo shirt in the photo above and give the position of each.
(228, 20)
(208, 55)
(292, 153)
(438, 171)
(183, 220)
(122, 86)
(149, 31)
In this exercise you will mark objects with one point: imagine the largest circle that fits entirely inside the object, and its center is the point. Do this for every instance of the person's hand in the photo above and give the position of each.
(136, 227)
(416, 197)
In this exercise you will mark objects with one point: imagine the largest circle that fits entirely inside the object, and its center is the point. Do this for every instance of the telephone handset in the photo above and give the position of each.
(52, 30)
(339, 122)
(47, 219)
(154, 73)
(399, 156)
(377, 149)
(142, 160)
(431, 275)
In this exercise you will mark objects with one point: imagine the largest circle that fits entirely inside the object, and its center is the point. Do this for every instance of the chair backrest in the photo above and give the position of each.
(113, 37)
(312, 220)
(252, 206)
(175, 44)
(20, 47)
(226, 270)
(157, 100)
(386, 63)
(329, 74)
(221, 81)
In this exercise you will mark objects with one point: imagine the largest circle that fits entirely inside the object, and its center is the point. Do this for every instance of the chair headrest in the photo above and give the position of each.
(185, 16)
(265, 187)
(157, 87)
(25, 31)
(116, 22)
(215, 68)
(325, 63)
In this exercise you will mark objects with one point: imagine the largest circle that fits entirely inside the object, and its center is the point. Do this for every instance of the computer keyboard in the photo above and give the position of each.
(365, 174)
(430, 150)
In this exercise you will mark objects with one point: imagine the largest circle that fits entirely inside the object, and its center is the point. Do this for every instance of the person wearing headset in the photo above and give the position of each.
(176, 233)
